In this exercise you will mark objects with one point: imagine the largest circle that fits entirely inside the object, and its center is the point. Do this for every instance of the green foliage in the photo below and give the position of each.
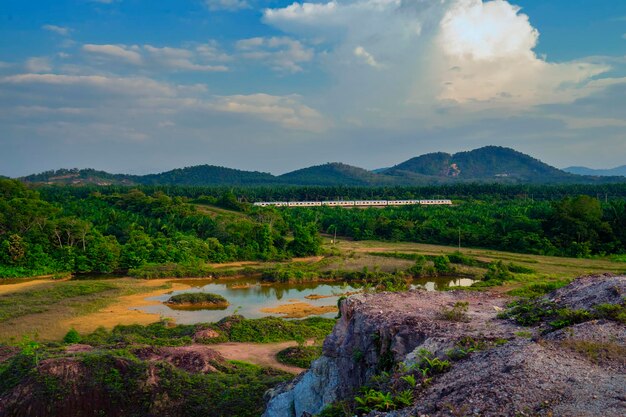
(272, 329)
(373, 400)
(104, 230)
(72, 336)
(300, 356)
(124, 385)
(529, 312)
(442, 264)
(497, 273)
(616, 312)
(172, 270)
(537, 289)
(458, 312)
(197, 298)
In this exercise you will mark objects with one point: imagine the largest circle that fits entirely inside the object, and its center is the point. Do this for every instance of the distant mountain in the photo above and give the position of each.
(81, 177)
(334, 174)
(619, 171)
(208, 175)
(491, 163)
(488, 164)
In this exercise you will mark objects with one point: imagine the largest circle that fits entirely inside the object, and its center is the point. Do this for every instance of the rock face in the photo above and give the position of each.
(377, 330)
(576, 371)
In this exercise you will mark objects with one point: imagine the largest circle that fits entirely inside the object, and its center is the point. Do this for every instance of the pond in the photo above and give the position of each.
(249, 296)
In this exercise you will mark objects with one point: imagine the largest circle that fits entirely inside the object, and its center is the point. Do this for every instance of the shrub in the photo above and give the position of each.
(72, 336)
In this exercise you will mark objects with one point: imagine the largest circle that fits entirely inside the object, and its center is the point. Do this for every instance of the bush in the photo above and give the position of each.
(72, 337)
(198, 299)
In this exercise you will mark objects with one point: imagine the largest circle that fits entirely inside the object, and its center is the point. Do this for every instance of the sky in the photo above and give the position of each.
(144, 86)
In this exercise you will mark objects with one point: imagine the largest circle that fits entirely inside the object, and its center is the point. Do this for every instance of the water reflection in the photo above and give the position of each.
(248, 296)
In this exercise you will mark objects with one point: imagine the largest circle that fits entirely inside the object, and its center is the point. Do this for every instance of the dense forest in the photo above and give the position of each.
(64, 229)
(116, 229)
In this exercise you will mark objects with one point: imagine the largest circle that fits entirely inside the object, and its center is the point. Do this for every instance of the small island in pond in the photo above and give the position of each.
(197, 300)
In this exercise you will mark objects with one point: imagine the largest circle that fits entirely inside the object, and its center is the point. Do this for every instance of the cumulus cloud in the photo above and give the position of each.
(140, 96)
(368, 58)
(282, 54)
(288, 111)
(467, 53)
(59, 30)
(161, 57)
(38, 64)
(121, 52)
(230, 5)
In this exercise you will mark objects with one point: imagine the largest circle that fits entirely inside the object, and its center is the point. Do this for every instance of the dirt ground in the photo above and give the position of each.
(121, 313)
(258, 354)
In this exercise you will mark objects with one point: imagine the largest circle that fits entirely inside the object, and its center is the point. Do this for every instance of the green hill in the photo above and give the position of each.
(334, 174)
(618, 171)
(77, 176)
(487, 164)
(491, 163)
(208, 175)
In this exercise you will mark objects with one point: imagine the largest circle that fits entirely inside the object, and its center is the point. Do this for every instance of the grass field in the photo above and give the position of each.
(47, 309)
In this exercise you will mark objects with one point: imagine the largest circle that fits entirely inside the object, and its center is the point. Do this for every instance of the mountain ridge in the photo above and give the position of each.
(608, 172)
(489, 164)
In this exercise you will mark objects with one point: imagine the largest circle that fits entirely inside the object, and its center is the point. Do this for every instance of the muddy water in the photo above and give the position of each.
(248, 296)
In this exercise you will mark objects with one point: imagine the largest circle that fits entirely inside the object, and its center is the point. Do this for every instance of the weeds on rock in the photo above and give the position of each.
(457, 313)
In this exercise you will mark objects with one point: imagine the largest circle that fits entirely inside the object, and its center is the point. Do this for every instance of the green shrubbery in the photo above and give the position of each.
(300, 356)
(198, 298)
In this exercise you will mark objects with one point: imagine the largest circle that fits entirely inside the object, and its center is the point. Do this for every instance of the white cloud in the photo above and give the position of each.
(153, 57)
(140, 97)
(38, 64)
(59, 30)
(230, 5)
(288, 111)
(368, 58)
(121, 52)
(282, 54)
(470, 54)
(178, 59)
(490, 46)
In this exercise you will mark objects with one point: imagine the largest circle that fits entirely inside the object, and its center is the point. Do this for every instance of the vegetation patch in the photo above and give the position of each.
(532, 311)
(597, 352)
(39, 300)
(198, 300)
(300, 356)
(458, 312)
(299, 310)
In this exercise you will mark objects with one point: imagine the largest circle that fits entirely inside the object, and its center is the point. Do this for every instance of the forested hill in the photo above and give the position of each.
(491, 164)
(208, 175)
(619, 171)
(488, 163)
(334, 174)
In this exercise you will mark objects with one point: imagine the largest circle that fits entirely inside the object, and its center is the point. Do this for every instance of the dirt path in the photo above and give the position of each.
(125, 310)
(263, 354)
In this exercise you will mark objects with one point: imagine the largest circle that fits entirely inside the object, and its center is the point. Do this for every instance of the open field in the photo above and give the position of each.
(556, 267)
(48, 309)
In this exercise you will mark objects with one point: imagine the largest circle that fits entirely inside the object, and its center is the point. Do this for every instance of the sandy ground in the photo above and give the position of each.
(9, 288)
(258, 354)
(125, 310)
(298, 310)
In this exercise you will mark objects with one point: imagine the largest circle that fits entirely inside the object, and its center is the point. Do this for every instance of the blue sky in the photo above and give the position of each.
(143, 86)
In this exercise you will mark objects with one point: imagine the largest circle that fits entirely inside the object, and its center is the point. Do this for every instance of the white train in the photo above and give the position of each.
(356, 203)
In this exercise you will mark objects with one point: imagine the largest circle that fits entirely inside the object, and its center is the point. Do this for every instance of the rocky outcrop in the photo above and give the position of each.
(578, 370)
(377, 330)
